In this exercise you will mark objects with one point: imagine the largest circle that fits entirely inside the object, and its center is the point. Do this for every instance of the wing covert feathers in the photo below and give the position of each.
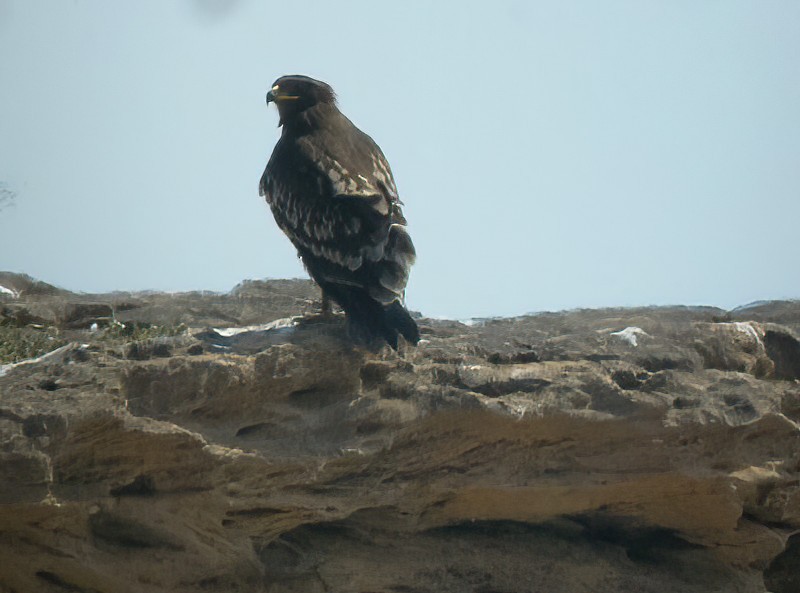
(332, 193)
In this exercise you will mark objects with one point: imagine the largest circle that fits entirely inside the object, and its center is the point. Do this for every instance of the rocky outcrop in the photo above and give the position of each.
(652, 449)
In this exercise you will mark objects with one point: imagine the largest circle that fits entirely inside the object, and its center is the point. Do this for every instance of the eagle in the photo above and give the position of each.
(331, 191)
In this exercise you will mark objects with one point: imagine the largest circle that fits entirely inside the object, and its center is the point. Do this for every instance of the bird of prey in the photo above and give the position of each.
(331, 191)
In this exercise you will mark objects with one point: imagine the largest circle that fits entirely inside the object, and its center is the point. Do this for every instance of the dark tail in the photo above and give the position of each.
(368, 320)
(399, 321)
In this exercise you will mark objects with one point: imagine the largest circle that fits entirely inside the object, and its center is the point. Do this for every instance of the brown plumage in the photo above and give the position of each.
(331, 191)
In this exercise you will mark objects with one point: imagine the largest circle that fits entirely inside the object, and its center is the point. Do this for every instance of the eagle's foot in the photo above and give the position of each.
(314, 318)
(325, 315)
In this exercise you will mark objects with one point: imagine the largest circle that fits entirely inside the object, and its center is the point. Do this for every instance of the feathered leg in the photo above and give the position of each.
(325, 314)
(326, 311)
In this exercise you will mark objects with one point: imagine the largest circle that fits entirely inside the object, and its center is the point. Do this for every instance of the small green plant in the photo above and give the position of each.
(22, 343)
(136, 331)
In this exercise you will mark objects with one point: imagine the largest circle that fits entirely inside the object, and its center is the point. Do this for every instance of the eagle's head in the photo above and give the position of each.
(295, 93)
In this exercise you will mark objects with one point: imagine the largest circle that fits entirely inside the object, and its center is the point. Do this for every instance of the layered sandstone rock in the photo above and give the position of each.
(610, 450)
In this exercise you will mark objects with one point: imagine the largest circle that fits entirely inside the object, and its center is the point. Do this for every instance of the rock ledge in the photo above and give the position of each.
(651, 450)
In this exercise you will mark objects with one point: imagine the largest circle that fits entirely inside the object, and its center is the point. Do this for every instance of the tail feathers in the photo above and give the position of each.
(396, 317)
(369, 320)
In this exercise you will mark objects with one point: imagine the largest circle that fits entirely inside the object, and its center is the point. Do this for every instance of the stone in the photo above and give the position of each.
(539, 453)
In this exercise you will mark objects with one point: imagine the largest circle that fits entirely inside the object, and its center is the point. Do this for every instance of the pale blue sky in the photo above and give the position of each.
(551, 155)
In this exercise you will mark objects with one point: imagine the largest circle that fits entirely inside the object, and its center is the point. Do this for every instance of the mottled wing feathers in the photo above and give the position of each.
(332, 192)
(342, 233)
(358, 168)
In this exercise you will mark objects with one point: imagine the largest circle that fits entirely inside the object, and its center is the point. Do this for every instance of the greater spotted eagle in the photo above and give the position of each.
(331, 191)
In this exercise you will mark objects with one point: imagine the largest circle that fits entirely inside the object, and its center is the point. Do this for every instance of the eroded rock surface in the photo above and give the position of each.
(651, 450)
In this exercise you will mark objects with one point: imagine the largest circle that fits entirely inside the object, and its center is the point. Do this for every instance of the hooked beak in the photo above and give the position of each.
(273, 96)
